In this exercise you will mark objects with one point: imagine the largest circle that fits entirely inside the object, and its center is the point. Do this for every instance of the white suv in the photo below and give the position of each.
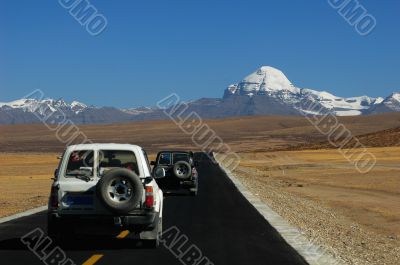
(105, 187)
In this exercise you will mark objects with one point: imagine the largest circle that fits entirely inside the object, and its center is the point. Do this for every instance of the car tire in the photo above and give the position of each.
(120, 190)
(182, 170)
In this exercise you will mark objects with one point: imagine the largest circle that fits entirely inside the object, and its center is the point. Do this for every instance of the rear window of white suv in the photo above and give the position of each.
(80, 161)
(109, 159)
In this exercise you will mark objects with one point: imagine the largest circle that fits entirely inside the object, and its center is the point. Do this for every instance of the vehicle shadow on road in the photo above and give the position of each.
(12, 244)
(102, 243)
(82, 243)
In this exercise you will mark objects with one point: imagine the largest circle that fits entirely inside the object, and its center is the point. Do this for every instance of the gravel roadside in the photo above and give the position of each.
(322, 224)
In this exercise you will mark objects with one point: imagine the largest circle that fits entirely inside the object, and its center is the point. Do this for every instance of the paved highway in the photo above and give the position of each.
(219, 222)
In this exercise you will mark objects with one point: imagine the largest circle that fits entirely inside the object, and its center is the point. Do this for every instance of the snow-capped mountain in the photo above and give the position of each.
(45, 106)
(266, 80)
(392, 102)
(140, 110)
(267, 91)
(57, 111)
(272, 83)
(389, 104)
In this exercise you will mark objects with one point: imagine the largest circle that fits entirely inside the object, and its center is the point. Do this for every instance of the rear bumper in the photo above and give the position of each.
(189, 183)
(141, 219)
(174, 183)
(147, 219)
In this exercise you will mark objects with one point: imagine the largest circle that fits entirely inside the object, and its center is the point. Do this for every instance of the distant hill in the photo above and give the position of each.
(267, 91)
(384, 138)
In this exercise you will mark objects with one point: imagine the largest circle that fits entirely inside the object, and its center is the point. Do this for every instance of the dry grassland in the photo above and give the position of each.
(356, 215)
(25, 181)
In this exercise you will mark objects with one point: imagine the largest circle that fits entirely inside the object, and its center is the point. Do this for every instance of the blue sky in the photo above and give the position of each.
(193, 48)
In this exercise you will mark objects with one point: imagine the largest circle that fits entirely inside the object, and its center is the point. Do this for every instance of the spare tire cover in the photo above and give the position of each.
(120, 190)
(182, 170)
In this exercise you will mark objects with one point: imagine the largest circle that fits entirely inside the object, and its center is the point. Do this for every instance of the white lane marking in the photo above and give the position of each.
(23, 214)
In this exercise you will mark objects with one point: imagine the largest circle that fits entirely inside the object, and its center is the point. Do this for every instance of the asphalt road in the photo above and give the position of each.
(219, 222)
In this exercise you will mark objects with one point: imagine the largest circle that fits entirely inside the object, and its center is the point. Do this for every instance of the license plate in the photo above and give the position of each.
(80, 200)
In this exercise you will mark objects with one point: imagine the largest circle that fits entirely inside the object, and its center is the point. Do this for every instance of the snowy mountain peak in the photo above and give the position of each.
(265, 80)
(378, 100)
(60, 103)
(389, 104)
(272, 83)
(392, 102)
(394, 96)
(78, 105)
(44, 106)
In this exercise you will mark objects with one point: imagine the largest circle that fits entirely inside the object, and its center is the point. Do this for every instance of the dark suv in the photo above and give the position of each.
(180, 171)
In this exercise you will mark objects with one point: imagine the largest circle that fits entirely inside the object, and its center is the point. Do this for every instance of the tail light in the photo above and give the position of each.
(149, 200)
(54, 197)
(194, 172)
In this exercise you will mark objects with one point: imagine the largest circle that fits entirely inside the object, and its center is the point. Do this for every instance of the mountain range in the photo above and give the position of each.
(266, 91)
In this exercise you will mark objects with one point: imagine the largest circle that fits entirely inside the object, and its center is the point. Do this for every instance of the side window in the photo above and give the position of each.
(109, 159)
(79, 161)
(164, 159)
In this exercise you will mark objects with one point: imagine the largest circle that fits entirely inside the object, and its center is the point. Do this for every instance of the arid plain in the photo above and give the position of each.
(357, 216)
(285, 161)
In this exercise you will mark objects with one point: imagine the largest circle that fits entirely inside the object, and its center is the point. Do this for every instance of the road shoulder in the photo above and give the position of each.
(23, 214)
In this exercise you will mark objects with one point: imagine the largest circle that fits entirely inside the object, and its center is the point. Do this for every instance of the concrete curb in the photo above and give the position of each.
(313, 254)
(23, 214)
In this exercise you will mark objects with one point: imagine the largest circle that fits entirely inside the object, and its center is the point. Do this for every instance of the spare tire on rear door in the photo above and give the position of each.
(120, 190)
(182, 170)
